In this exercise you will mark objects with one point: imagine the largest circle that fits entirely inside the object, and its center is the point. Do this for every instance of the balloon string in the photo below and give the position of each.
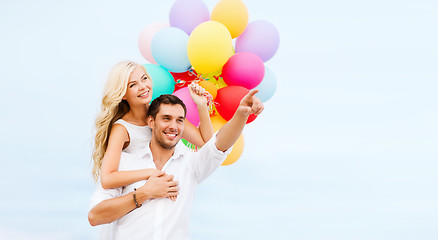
(180, 82)
(193, 147)
(200, 77)
(214, 111)
(210, 101)
(191, 72)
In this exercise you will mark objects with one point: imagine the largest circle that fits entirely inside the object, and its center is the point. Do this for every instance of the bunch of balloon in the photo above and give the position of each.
(198, 46)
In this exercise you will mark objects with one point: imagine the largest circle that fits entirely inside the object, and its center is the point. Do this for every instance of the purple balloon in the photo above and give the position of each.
(188, 14)
(260, 37)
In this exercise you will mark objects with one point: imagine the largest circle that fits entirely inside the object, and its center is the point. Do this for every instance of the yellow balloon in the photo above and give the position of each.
(209, 47)
(235, 153)
(233, 14)
(217, 122)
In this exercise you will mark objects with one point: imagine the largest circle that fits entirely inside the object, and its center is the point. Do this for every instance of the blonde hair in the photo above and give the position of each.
(113, 108)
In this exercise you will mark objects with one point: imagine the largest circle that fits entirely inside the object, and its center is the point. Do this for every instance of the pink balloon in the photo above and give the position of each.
(145, 39)
(243, 69)
(192, 110)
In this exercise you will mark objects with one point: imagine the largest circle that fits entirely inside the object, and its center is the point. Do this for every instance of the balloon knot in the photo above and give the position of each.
(180, 82)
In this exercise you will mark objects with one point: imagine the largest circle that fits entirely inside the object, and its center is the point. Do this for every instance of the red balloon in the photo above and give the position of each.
(183, 79)
(228, 100)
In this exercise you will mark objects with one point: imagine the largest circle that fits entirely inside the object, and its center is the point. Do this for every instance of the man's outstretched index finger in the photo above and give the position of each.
(250, 94)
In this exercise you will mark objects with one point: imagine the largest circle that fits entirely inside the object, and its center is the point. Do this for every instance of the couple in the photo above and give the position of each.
(147, 176)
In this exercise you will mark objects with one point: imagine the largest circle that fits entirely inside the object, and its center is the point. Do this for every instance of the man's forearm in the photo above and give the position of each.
(230, 132)
(111, 209)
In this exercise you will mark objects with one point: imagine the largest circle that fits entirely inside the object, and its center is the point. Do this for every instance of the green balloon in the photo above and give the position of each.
(189, 145)
(162, 80)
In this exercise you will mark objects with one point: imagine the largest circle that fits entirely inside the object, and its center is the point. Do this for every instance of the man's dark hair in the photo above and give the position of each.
(154, 108)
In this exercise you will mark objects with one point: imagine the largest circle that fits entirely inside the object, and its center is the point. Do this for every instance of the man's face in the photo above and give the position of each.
(168, 125)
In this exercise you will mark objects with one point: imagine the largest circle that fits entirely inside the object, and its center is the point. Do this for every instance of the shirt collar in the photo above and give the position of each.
(180, 149)
(148, 149)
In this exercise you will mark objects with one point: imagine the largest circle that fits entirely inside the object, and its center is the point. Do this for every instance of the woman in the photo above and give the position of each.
(121, 126)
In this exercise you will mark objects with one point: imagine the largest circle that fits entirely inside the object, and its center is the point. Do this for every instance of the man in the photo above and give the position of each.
(143, 210)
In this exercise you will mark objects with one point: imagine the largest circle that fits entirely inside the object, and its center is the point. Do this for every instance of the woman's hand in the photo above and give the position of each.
(158, 186)
(151, 172)
(198, 94)
(155, 173)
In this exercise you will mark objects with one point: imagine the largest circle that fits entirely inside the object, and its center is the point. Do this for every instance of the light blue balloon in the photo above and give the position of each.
(268, 86)
(162, 80)
(169, 49)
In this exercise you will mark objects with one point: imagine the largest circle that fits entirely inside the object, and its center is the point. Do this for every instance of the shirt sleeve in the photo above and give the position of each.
(207, 159)
(101, 194)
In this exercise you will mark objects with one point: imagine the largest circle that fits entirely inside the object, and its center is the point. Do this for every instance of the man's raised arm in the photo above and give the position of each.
(231, 131)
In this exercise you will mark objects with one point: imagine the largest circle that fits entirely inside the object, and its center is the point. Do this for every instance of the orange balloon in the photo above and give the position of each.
(217, 122)
(209, 87)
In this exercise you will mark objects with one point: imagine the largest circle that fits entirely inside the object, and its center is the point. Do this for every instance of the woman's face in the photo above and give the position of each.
(139, 91)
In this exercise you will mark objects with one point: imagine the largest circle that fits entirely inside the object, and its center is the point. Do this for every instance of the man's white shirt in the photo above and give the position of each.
(163, 219)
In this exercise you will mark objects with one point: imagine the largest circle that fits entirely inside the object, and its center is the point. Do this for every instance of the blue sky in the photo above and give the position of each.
(346, 148)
